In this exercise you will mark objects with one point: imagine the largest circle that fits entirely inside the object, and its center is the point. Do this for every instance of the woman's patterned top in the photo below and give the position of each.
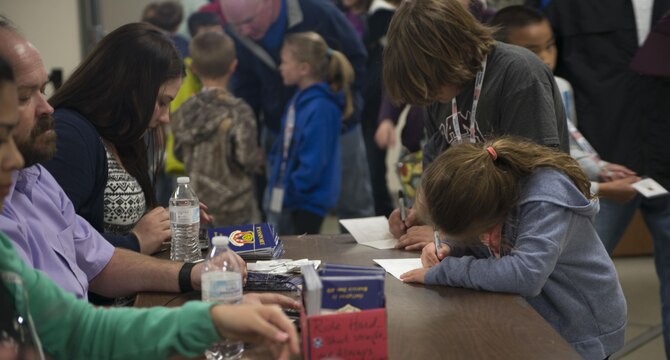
(124, 200)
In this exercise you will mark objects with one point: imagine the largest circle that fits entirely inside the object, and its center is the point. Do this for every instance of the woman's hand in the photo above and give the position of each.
(205, 218)
(152, 230)
(257, 324)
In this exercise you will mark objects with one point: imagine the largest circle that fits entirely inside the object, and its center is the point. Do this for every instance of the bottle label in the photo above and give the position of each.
(222, 286)
(183, 215)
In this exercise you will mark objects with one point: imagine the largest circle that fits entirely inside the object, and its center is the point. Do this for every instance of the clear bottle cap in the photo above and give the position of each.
(183, 180)
(220, 241)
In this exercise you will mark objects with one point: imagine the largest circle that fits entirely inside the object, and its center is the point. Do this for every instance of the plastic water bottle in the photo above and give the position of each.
(184, 222)
(222, 283)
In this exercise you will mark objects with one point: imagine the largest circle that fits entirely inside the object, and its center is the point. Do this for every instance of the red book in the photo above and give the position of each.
(356, 335)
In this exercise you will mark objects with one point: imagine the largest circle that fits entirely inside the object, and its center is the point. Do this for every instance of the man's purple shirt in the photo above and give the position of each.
(40, 219)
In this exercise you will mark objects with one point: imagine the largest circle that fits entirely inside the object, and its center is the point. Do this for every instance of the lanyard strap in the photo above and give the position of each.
(479, 81)
(286, 141)
(582, 142)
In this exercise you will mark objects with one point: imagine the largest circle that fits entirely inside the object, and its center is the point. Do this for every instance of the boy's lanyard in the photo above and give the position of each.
(582, 142)
(479, 81)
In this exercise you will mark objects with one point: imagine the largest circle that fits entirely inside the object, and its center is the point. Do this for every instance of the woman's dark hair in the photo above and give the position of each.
(116, 88)
(6, 73)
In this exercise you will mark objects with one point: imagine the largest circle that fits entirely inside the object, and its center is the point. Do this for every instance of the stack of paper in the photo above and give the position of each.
(281, 266)
(251, 241)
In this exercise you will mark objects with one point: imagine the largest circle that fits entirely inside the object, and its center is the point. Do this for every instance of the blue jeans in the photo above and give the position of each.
(611, 222)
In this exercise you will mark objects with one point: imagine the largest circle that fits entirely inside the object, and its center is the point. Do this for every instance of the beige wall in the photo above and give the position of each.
(52, 26)
(115, 13)
(118, 12)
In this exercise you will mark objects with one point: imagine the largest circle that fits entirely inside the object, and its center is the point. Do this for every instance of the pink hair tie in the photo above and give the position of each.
(492, 152)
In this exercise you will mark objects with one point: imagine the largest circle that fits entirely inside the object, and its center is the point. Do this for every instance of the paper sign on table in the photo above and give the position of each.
(370, 231)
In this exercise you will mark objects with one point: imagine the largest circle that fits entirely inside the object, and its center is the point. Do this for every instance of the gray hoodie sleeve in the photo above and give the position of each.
(542, 228)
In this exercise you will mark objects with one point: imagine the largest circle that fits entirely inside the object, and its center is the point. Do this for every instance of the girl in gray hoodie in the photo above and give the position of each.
(517, 217)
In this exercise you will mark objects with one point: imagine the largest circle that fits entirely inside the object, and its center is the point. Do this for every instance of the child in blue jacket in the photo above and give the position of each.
(305, 160)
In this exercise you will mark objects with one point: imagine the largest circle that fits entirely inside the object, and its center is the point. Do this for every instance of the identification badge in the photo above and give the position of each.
(649, 188)
(277, 199)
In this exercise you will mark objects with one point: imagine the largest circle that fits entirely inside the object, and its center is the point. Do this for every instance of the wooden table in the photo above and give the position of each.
(429, 322)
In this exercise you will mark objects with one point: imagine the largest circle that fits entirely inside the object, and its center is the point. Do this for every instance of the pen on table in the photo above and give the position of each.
(437, 243)
(401, 203)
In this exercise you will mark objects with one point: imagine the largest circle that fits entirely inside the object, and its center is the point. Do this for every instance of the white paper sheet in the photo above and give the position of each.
(370, 231)
(397, 267)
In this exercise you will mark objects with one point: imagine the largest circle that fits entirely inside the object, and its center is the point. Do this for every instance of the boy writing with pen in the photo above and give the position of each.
(403, 225)
(483, 90)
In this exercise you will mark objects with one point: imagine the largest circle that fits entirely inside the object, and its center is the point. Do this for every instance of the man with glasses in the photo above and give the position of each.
(259, 27)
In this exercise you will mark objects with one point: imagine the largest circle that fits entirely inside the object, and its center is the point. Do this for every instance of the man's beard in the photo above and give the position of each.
(39, 146)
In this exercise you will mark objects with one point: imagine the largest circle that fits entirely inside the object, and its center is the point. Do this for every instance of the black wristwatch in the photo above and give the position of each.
(185, 278)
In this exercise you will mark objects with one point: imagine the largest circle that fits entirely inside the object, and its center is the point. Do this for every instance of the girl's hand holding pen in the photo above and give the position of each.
(428, 256)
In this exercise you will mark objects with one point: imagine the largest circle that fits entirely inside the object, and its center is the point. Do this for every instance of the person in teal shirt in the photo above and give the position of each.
(39, 318)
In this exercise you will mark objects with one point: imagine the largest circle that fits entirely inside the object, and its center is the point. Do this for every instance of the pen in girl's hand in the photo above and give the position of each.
(401, 204)
(437, 244)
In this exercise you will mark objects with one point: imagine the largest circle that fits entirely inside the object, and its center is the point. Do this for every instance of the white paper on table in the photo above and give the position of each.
(397, 267)
(370, 231)
(649, 188)
(281, 266)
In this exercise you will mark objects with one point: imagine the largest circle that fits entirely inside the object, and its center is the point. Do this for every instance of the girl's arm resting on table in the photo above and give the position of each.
(526, 269)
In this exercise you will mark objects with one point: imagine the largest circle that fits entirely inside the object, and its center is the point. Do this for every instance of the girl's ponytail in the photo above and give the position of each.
(471, 187)
(340, 77)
